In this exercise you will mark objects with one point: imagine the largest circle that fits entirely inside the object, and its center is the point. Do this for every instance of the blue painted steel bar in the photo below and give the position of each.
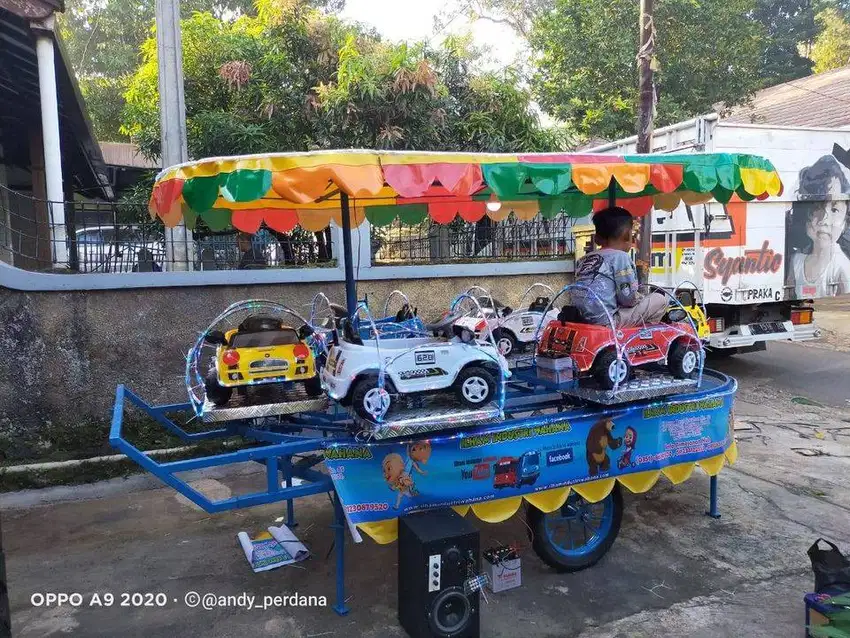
(159, 416)
(713, 511)
(339, 540)
(273, 475)
(290, 503)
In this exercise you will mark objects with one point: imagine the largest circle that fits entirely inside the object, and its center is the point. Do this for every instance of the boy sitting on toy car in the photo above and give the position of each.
(608, 285)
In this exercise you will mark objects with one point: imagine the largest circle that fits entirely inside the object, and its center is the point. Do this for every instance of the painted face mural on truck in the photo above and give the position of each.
(817, 232)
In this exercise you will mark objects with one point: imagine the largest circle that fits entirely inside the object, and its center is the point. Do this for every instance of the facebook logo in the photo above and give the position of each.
(557, 457)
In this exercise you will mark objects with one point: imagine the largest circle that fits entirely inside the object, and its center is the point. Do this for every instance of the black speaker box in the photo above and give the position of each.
(437, 552)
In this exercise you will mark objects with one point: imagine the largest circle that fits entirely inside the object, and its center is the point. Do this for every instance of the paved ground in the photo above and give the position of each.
(672, 571)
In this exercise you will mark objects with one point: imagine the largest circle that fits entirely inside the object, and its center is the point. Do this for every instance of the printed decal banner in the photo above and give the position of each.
(386, 479)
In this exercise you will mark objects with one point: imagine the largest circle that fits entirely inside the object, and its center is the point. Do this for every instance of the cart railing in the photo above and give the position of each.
(277, 457)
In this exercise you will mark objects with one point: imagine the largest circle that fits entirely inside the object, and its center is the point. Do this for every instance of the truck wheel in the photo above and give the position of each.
(215, 392)
(683, 359)
(313, 385)
(369, 401)
(475, 386)
(578, 534)
(506, 342)
(609, 371)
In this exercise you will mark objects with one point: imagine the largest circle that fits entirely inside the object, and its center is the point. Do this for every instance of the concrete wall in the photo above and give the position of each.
(62, 354)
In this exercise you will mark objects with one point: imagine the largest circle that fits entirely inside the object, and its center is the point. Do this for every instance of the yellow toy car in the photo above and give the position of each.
(689, 302)
(262, 350)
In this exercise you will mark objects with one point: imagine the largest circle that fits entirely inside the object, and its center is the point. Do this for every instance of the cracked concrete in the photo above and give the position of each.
(672, 571)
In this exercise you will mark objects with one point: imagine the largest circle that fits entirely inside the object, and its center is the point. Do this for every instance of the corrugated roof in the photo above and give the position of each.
(821, 100)
(125, 154)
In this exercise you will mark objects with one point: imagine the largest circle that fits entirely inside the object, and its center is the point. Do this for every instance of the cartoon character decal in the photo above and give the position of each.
(397, 479)
(599, 439)
(629, 442)
(418, 454)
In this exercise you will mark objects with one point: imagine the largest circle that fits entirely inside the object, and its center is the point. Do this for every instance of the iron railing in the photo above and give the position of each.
(111, 237)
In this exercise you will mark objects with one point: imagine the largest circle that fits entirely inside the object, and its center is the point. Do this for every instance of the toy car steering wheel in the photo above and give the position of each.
(404, 314)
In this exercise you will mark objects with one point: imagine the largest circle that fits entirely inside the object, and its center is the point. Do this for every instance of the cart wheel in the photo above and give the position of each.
(371, 402)
(313, 385)
(216, 393)
(683, 359)
(475, 386)
(506, 342)
(609, 371)
(576, 536)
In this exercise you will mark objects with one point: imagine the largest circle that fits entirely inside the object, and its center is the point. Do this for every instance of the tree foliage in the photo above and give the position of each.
(831, 49)
(706, 53)
(298, 79)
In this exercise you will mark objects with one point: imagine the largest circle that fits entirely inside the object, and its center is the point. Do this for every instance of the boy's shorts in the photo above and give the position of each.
(650, 309)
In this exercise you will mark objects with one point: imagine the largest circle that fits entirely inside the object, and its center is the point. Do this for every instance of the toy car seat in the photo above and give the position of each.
(349, 333)
(260, 323)
(404, 314)
(539, 305)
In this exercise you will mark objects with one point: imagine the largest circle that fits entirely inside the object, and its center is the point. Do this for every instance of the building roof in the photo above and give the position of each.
(820, 100)
(125, 155)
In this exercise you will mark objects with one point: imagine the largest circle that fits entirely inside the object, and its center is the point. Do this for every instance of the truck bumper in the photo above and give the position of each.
(742, 336)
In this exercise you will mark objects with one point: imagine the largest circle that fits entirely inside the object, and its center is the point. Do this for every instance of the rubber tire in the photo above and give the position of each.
(313, 385)
(358, 392)
(215, 392)
(475, 371)
(601, 365)
(564, 564)
(506, 334)
(677, 355)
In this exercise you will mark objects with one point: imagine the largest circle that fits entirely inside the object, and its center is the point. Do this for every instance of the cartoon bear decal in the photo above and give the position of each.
(599, 440)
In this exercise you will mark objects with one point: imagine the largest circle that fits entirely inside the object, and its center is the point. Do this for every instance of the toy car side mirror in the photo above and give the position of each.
(305, 331)
(216, 338)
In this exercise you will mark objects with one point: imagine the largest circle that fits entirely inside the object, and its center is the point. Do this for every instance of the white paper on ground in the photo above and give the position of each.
(274, 549)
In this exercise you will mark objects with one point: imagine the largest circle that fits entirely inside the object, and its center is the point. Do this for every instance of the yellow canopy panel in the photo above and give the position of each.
(288, 189)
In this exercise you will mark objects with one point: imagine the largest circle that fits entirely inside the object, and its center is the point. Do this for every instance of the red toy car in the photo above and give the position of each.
(593, 348)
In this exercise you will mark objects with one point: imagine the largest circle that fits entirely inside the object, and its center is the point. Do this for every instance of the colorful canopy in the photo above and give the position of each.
(288, 189)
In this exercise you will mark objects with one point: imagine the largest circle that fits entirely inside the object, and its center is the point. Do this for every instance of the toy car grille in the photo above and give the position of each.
(555, 344)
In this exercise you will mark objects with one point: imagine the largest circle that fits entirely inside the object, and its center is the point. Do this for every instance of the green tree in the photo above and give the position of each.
(790, 30)
(831, 49)
(707, 53)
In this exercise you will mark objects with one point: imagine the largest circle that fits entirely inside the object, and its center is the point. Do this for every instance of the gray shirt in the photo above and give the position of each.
(611, 276)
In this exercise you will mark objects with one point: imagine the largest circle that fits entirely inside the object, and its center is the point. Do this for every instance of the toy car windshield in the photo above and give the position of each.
(265, 339)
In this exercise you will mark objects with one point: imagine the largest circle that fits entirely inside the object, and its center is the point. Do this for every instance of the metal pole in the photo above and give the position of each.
(646, 109)
(713, 510)
(350, 286)
(179, 249)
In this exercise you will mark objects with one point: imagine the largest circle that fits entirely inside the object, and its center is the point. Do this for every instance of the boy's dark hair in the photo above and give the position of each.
(612, 222)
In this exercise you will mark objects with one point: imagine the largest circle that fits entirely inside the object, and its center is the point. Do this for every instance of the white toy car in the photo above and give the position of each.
(473, 369)
(513, 330)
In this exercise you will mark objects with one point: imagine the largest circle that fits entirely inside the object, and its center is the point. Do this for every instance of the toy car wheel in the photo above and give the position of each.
(609, 370)
(506, 342)
(577, 535)
(475, 386)
(313, 386)
(370, 401)
(683, 359)
(218, 394)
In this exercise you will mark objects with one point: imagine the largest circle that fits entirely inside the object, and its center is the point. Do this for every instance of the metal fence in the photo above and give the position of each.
(459, 241)
(110, 237)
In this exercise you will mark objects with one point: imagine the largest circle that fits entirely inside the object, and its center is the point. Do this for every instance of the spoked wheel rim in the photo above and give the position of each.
(376, 402)
(617, 371)
(689, 362)
(579, 527)
(475, 389)
(505, 346)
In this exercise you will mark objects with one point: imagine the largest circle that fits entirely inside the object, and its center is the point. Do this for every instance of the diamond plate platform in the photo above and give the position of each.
(427, 413)
(262, 401)
(646, 384)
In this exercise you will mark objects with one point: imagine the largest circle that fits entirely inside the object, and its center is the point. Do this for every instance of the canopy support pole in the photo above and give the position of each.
(350, 286)
(612, 193)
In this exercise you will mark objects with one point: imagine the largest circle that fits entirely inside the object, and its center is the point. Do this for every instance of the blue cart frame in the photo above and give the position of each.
(286, 441)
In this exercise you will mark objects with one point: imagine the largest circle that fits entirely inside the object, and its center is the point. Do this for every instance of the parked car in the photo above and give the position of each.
(122, 248)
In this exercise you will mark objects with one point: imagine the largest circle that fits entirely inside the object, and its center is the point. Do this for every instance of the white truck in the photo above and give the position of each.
(757, 265)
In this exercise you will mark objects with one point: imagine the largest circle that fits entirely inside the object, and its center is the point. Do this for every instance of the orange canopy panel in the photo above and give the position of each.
(288, 189)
